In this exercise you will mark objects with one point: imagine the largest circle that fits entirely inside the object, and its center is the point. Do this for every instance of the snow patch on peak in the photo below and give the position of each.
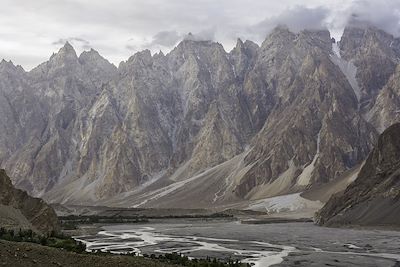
(336, 50)
(348, 69)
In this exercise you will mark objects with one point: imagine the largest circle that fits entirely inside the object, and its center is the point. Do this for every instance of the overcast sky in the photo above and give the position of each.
(31, 30)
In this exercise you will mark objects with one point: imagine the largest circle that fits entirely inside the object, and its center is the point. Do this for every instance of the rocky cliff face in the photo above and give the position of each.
(19, 210)
(198, 123)
(385, 111)
(375, 55)
(374, 197)
(313, 131)
(49, 113)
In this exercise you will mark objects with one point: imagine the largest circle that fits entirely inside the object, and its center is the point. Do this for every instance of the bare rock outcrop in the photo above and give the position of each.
(19, 210)
(373, 199)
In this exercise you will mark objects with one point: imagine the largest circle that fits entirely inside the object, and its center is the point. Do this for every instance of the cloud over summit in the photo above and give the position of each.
(32, 30)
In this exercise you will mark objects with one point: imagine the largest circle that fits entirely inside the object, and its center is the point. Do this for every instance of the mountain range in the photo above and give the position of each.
(199, 127)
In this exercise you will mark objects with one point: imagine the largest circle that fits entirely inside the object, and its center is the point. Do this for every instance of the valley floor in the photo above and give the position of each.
(269, 244)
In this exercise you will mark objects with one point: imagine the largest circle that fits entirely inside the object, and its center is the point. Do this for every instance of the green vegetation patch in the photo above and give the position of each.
(175, 258)
(51, 240)
(62, 241)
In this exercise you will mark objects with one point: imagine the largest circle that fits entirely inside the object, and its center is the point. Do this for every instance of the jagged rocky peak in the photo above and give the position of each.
(12, 79)
(245, 46)
(359, 37)
(243, 57)
(66, 53)
(144, 56)
(6, 64)
(97, 66)
(283, 45)
(197, 48)
(281, 34)
(280, 30)
(10, 68)
(92, 59)
(248, 47)
(159, 56)
(143, 65)
(91, 56)
(375, 53)
(373, 198)
(239, 44)
(65, 61)
(386, 108)
(251, 44)
(280, 37)
(142, 59)
(316, 38)
(206, 58)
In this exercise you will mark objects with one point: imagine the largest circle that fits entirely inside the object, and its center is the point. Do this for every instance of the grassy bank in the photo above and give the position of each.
(68, 244)
(51, 240)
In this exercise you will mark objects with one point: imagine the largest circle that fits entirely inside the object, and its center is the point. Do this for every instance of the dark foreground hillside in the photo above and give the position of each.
(373, 199)
(18, 254)
(20, 210)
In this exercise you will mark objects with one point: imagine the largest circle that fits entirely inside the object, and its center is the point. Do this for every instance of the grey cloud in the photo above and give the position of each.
(204, 35)
(162, 39)
(132, 47)
(106, 25)
(166, 38)
(296, 19)
(383, 14)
